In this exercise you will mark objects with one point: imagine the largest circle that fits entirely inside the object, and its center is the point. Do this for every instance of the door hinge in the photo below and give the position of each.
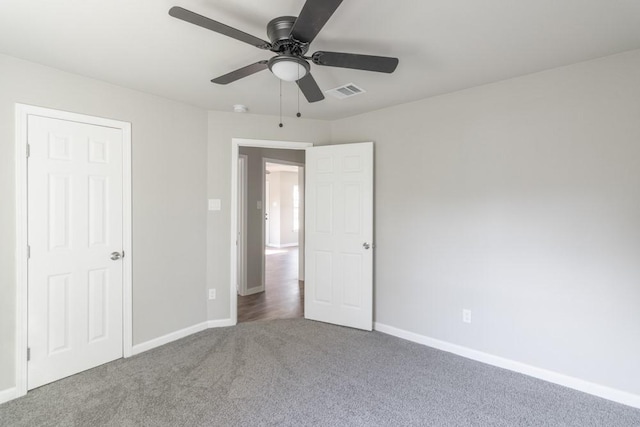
(28, 354)
(28, 150)
(28, 251)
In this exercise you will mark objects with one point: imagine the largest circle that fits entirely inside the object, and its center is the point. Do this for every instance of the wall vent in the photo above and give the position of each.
(345, 91)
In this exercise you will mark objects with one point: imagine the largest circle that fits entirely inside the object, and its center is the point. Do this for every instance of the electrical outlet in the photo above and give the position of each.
(466, 315)
(212, 294)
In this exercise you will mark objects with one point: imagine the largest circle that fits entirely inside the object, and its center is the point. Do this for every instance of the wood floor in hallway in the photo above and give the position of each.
(283, 297)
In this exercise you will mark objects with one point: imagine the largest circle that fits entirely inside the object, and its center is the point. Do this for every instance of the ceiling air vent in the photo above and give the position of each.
(345, 91)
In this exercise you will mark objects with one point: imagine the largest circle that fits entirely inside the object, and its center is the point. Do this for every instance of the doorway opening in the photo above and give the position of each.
(269, 230)
(338, 234)
(282, 295)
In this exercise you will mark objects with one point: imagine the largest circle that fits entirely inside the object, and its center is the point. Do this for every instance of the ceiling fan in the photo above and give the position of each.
(290, 38)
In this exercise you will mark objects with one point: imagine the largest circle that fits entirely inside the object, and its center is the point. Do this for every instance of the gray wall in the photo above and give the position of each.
(169, 196)
(255, 238)
(519, 200)
(222, 128)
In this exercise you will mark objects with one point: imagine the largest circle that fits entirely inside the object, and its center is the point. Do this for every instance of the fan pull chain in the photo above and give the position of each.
(298, 113)
(280, 125)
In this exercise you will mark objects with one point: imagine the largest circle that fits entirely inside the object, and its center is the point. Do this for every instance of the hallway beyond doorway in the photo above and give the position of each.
(283, 297)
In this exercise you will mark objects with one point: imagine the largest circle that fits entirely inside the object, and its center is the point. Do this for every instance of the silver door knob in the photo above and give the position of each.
(116, 256)
(366, 245)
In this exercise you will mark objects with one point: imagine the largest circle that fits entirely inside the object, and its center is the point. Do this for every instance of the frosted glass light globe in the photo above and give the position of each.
(288, 68)
(289, 71)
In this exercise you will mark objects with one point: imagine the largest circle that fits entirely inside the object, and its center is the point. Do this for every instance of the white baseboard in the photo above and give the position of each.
(220, 323)
(252, 291)
(165, 339)
(8, 394)
(288, 245)
(605, 392)
(173, 336)
(283, 245)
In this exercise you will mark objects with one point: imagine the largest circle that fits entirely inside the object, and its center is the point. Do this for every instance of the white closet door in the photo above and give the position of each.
(75, 229)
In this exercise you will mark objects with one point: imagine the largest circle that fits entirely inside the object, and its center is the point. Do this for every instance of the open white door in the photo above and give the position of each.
(339, 234)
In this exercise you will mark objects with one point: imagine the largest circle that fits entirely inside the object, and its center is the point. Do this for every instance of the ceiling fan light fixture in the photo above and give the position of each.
(288, 68)
(290, 38)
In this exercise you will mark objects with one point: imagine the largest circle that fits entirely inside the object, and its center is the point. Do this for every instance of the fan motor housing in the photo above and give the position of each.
(279, 33)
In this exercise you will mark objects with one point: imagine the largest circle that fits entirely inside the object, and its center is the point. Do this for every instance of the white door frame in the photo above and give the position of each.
(236, 143)
(242, 226)
(22, 326)
(267, 213)
(301, 231)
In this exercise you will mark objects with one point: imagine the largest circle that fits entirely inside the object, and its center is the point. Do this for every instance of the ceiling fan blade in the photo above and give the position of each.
(210, 24)
(381, 64)
(310, 88)
(241, 73)
(313, 16)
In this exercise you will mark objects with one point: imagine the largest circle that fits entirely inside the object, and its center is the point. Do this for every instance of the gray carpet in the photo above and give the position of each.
(299, 373)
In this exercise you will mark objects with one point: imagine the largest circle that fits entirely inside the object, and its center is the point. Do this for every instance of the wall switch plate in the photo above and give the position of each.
(259, 204)
(466, 315)
(212, 294)
(215, 204)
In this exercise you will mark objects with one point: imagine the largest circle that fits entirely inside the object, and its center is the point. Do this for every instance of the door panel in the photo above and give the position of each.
(74, 222)
(338, 223)
(267, 212)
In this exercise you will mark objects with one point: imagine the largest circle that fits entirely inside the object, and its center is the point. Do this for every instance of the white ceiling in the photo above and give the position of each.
(443, 45)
